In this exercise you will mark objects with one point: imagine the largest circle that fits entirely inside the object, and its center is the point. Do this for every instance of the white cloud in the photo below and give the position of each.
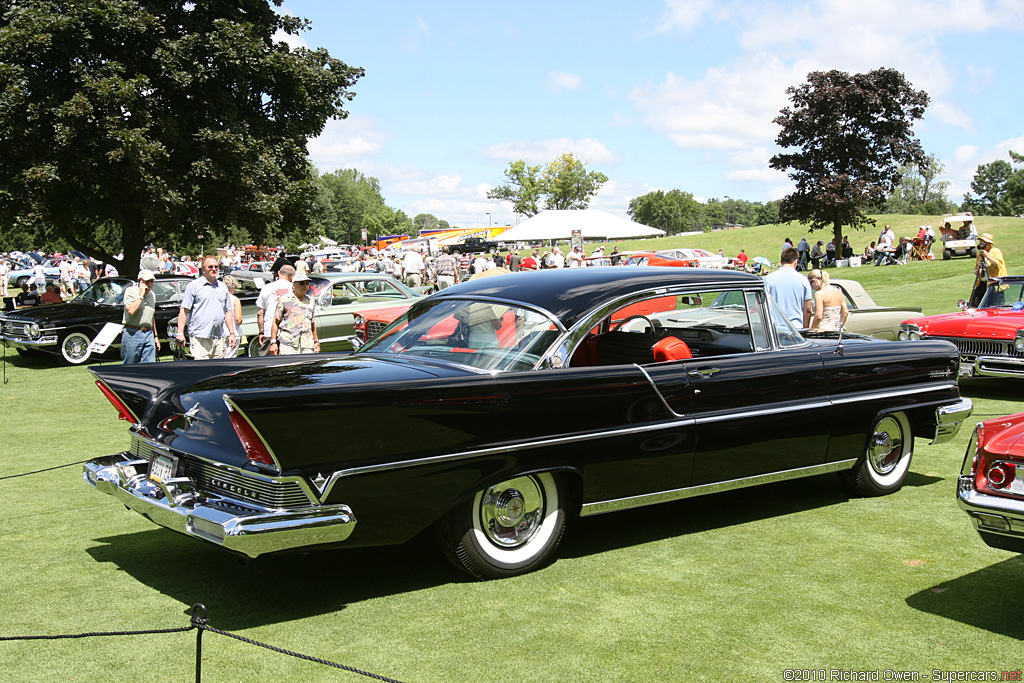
(728, 108)
(588, 150)
(346, 141)
(951, 114)
(559, 81)
(961, 168)
(683, 15)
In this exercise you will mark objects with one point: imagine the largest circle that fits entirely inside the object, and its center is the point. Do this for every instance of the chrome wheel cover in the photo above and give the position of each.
(75, 347)
(886, 446)
(511, 512)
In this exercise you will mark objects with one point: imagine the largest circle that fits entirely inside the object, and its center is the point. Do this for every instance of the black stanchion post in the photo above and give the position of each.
(199, 621)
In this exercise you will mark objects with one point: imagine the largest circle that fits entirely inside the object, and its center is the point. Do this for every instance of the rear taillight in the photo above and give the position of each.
(1001, 474)
(256, 449)
(123, 411)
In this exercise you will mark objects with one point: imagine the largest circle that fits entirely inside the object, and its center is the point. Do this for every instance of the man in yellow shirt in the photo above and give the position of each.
(990, 265)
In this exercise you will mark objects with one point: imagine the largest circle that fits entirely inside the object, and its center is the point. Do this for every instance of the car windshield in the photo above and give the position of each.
(484, 334)
(1004, 295)
(106, 292)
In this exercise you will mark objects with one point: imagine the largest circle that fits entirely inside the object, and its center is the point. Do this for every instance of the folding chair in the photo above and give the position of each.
(920, 250)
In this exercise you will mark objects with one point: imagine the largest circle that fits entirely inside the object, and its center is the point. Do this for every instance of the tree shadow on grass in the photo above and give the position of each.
(987, 599)
(992, 388)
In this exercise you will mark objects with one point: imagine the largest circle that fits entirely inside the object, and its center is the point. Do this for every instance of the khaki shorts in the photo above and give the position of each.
(204, 348)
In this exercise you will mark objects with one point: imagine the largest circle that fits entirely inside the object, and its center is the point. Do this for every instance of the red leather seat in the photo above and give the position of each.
(671, 348)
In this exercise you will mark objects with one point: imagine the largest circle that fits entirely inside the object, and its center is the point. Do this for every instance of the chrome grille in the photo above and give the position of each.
(14, 328)
(374, 327)
(229, 482)
(983, 347)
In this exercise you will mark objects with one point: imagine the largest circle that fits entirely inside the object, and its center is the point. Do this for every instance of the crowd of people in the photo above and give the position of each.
(285, 311)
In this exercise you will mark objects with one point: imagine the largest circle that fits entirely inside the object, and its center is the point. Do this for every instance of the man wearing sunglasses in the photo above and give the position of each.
(207, 304)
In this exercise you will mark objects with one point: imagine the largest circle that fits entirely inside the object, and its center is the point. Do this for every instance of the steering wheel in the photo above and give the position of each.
(637, 316)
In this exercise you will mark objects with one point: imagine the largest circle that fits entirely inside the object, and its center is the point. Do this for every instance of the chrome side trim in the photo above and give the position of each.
(894, 393)
(681, 421)
(642, 500)
(510, 448)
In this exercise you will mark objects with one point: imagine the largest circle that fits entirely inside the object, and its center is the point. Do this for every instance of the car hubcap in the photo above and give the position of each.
(512, 511)
(886, 446)
(75, 347)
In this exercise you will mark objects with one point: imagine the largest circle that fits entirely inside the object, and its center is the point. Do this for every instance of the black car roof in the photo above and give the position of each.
(569, 292)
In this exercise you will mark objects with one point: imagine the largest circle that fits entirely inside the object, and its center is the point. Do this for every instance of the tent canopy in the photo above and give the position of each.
(558, 224)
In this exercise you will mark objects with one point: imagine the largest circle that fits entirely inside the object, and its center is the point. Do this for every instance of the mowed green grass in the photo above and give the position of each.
(733, 587)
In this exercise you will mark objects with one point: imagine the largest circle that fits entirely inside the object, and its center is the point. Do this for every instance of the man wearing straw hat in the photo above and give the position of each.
(990, 265)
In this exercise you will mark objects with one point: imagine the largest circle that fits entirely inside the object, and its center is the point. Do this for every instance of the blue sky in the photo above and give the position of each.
(655, 94)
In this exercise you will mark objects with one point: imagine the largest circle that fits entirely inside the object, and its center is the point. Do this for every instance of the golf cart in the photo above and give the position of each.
(959, 236)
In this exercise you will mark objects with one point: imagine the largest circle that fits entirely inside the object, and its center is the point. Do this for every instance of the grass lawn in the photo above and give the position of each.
(738, 586)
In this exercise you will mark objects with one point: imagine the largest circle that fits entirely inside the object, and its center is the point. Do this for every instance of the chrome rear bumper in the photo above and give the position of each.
(234, 524)
(949, 418)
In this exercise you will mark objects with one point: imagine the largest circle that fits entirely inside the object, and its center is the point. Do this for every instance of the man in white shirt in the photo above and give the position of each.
(266, 303)
(412, 267)
(556, 260)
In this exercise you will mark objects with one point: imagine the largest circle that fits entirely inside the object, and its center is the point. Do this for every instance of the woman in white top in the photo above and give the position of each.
(830, 311)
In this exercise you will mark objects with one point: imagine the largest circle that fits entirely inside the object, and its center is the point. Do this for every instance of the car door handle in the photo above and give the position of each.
(703, 373)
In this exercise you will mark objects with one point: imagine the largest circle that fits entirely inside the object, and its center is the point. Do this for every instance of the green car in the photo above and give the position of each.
(337, 297)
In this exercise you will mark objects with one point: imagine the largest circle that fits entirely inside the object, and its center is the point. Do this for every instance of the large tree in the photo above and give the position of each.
(852, 134)
(159, 119)
(998, 188)
(674, 212)
(565, 183)
(919, 191)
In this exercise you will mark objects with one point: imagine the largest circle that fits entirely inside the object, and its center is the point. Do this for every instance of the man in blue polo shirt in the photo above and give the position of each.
(791, 290)
(207, 303)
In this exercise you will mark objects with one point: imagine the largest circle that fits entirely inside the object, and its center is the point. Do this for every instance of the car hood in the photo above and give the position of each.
(995, 323)
(1005, 435)
(58, 313)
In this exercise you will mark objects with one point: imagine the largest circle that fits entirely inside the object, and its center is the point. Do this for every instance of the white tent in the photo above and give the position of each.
(558, 224)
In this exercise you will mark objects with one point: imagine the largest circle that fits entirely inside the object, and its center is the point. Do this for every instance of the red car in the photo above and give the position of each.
(991, 488)
(656, 259)
(990, 338)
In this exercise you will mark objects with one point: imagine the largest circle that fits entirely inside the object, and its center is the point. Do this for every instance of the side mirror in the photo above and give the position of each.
(692, 300)
(962, 304)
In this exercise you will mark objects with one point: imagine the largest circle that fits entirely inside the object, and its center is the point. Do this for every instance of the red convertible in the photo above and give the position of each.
(991, 487)
(990, 338)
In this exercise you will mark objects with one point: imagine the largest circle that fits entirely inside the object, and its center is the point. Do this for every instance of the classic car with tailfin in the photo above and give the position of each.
(495, 410)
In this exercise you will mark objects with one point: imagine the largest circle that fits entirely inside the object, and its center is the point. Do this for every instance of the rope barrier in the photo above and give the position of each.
(56, 467)
(200, 623)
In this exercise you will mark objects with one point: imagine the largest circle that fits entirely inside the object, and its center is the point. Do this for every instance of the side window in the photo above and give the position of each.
(758, 331)
(788, 335)
(676, 327)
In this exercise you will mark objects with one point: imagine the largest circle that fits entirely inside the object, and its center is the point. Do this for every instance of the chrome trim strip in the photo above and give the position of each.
(895, 393)
(484, 452)
(681, 422)
(704, 489)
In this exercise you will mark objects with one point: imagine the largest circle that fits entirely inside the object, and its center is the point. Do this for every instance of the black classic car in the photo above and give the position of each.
(68, 329)
(495, 409)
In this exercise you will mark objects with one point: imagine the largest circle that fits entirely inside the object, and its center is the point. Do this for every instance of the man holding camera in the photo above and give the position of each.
(990, 265)
(139, 340)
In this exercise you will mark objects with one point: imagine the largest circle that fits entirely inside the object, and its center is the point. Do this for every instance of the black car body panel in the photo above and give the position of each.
(400, 441)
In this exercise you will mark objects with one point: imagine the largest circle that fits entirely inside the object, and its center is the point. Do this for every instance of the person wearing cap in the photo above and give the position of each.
(990, 265)
(294, 328)
(139, 341)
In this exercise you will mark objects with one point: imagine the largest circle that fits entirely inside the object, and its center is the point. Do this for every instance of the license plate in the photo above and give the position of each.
(967, 371)
(163, 467)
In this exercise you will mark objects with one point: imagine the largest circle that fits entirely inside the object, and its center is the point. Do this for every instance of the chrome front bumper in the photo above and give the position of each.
(234, 524)
(949, 418)
(992, 366)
